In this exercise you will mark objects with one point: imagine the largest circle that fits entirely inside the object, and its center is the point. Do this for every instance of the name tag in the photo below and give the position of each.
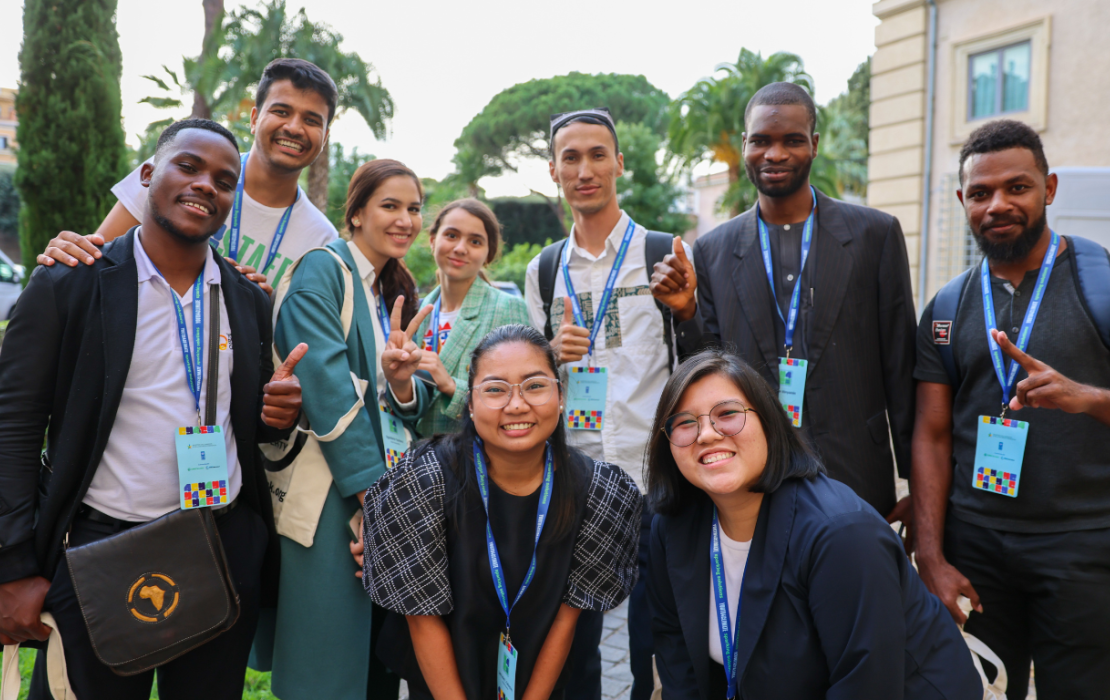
(587, 388)
(394, 436)
(999, 451)
(506, 669)
(792, 387)
(201, 467)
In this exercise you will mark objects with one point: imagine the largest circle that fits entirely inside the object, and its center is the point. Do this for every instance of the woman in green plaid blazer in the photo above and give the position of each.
(465, 238)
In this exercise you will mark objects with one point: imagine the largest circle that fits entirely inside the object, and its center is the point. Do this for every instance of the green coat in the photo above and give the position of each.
(484, 309)
(319, 645)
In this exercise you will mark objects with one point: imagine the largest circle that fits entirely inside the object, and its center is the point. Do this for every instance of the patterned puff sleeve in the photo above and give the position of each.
(405, 535)
(604, 566)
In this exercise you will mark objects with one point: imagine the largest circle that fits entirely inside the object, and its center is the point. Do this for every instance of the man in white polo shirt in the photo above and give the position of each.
(272, 223)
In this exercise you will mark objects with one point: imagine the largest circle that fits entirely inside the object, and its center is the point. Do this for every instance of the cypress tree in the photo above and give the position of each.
(71, 144)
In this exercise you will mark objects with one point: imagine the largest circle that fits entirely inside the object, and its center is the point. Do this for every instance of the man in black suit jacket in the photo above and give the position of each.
(855, 315)
(76, 337)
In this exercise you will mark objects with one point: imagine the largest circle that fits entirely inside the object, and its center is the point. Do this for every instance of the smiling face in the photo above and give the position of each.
(519, 426)
(461, 246)
(1005, 196)
(192, 184)
(389, 221)
(715, 463)
(779, 148)
(290, 128)
(586, 166)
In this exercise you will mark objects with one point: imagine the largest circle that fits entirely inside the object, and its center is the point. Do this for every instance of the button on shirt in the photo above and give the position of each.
(630, 344)
(137, 477)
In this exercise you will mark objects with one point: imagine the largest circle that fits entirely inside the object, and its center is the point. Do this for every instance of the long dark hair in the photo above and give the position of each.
(394, 279)
(457, 449)
(788, 456)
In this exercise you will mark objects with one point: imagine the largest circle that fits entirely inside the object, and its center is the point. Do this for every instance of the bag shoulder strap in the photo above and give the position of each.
(548, 271)
(656, 247)
(1092, 269)
(346, 312)
(213, 356)
(945, 307)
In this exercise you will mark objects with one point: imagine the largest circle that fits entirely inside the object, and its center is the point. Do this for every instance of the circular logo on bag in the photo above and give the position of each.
(153, 597)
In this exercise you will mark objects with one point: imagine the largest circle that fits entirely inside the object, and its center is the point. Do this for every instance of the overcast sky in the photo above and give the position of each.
(443, 61)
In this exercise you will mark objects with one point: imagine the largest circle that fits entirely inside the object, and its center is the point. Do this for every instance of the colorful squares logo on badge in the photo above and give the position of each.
(585, 370)
(392, 458)
(590, 420)
(794, 413)
(202, 430)
(1008, 422)
(204, 493)
(792, 362)
(996, 480)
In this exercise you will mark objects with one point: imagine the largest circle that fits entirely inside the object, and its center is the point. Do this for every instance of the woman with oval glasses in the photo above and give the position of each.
(491, 541)
(770, 580)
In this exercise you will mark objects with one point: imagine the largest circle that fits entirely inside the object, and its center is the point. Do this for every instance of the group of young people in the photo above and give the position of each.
(710, 432)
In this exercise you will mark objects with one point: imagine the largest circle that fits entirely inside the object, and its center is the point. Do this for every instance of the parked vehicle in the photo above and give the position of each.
(509, 288)
(11, 284)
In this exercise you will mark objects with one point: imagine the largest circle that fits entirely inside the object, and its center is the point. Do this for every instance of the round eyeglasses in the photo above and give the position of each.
(727, 419)
(497, 394)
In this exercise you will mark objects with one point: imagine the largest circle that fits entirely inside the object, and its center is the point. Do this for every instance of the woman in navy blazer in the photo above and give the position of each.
(829, 605)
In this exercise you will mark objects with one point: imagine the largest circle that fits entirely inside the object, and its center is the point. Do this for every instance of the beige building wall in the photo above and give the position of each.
(8, 123)
(705, 196)
(1069, 96)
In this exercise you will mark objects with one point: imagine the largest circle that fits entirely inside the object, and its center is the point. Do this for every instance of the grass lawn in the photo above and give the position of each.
(255, 687)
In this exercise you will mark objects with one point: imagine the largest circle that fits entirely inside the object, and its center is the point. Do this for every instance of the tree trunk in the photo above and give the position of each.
(733, 178)
(212, 11)
(318, 174)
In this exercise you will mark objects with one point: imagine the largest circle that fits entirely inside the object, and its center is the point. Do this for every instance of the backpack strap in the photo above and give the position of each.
(1092, 269)
(945, 306)
(548, 271)
(656, 247)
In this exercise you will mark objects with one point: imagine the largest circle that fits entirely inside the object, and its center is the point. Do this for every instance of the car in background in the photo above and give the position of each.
(509, 288)
(11, 284)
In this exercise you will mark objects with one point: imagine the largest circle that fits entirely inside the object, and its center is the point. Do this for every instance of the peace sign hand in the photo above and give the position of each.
(1045, 387)
(674, 283)
(401, 356)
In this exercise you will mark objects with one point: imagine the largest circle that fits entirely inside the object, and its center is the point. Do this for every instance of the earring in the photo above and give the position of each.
(357, 222)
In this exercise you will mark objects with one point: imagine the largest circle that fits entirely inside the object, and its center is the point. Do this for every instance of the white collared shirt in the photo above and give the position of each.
(137, 478)
(630, 345)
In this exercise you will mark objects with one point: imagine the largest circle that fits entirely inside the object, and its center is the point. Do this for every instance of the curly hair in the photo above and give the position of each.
(1002, 135)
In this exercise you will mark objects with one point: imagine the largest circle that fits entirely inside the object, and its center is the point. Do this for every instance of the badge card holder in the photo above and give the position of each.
(999, 451)
(506, 669)
(587, 388)
(792, 388)
(394, 435)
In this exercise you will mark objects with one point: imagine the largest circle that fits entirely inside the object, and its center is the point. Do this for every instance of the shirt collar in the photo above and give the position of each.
(365, 267)
(148, 271)
(612, 241)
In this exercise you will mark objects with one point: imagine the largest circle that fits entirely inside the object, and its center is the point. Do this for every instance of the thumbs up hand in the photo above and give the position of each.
(674, 283)
(281, 397)
(571, 342)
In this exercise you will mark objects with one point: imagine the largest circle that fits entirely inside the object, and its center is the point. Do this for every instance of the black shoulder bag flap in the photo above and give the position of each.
(156, 591)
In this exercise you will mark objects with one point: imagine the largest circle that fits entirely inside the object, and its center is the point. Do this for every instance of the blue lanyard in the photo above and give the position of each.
(383, 316)
(194, 372)
(603, 304)
(1006, 379)
(791, 319)
(237, 213)
(491, 546)
(729, 652)
(435, 326)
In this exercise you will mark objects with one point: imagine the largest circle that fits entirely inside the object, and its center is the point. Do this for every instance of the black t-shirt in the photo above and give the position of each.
(1065, 475)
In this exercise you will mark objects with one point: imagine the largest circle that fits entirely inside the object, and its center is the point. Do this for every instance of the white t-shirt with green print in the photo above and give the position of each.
(308, 227)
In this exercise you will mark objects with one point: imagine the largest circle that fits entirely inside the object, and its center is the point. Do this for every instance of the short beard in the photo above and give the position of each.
(1019, 248)
(784, 190)
(168, 226)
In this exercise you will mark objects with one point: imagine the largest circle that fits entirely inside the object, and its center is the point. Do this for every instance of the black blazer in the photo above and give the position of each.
(830, 607)
(861, 335)
(65, 360)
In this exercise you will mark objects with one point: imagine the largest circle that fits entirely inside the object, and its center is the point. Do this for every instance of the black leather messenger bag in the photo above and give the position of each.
(156, 591)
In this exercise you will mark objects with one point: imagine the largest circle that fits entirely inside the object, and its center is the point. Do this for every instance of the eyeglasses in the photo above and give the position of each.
(497, 394)
(727, 419)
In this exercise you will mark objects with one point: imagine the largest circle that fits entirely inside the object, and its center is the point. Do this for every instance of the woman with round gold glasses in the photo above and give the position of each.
(768, 579)
(490, 541)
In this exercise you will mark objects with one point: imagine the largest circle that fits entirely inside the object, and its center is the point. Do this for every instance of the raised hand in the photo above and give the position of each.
(71, 248)
(281, 397)
(1047, 388)
(253, 275)
(674, 283)
(571, 342)
(401, 356)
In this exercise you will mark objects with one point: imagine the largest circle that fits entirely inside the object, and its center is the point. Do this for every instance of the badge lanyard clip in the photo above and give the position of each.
(791, 319)
(603, 304)
(491, 546)
(1007, 375)
(234, 233)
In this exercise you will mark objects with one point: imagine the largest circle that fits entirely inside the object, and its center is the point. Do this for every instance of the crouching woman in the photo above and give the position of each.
(770, 580)
(491, 541)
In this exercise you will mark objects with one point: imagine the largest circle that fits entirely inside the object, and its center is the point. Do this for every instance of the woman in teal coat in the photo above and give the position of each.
(321, 641)
(465, 238)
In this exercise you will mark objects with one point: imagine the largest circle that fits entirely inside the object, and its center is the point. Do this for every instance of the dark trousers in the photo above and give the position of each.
(584, 658)
(1045, 597)
(381, 683)
(213, 671)
(640, 645)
